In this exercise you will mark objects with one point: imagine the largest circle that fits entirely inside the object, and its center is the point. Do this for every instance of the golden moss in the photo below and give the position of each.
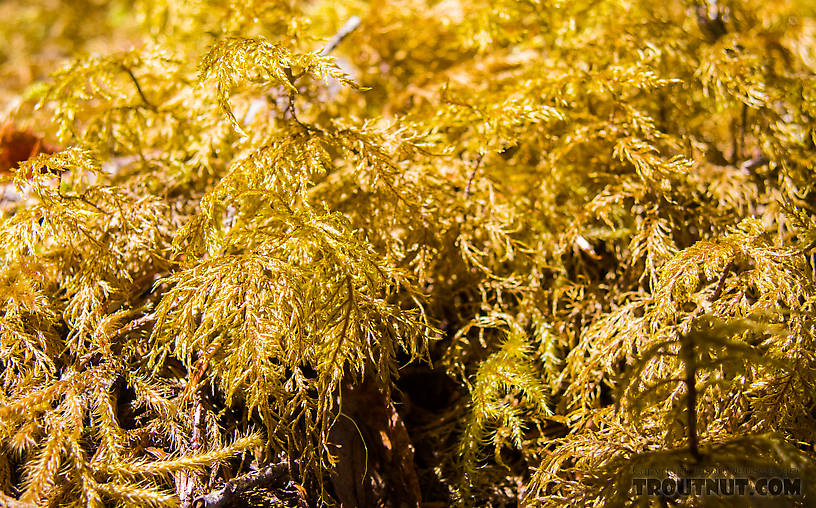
(593, 220)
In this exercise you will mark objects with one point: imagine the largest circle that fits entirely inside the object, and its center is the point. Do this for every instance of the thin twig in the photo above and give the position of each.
(136, 324)
(473, 174)
(721, 283)
(198, 423)
(350, 26)
(138, 88)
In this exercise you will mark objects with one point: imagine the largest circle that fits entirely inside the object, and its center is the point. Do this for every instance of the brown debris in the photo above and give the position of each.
(18, 145)
(376, 456)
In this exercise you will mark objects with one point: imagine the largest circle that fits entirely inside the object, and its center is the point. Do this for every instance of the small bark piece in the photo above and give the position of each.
(232, 494)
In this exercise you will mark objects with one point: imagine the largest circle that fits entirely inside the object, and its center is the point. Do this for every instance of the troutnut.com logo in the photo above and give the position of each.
(708, 482)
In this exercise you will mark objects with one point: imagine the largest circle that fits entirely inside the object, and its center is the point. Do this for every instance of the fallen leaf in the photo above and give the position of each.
(19, 145)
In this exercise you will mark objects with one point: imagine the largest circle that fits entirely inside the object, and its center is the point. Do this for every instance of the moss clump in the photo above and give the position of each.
(476, 253)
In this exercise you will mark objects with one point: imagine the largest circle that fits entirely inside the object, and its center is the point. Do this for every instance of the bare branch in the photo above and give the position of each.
(268, 477)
